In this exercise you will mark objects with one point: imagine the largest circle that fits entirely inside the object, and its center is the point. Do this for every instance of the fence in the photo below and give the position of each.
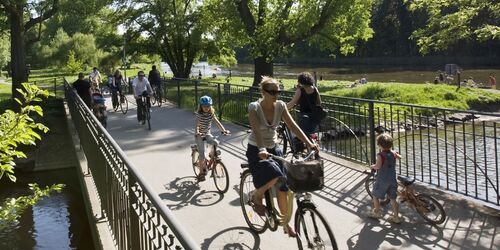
(137, 217)
(453, 149)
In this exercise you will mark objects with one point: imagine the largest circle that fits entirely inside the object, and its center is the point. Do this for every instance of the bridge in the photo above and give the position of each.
(143, 193)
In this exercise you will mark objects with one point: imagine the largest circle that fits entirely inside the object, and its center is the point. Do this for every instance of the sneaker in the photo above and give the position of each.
(143, 122)
(140, 123)
(375, 214)
(394, 219)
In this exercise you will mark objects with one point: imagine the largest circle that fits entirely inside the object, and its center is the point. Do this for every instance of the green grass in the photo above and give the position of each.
(443, 96)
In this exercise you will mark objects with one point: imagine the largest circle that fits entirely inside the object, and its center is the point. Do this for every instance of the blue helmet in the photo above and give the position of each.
(206, 100)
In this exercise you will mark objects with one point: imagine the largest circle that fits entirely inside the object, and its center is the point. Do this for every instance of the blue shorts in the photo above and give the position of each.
(380, 189)
(263, 171)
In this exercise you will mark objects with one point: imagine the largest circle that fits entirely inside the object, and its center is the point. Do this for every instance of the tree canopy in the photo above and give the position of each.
(451, 21)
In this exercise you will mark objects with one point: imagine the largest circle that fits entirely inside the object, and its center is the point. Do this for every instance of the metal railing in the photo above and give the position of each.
(137, 217)
(454, 149)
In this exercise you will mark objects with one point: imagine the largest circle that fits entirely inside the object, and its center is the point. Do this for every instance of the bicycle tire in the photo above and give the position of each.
(124, 105)
(256, 222)
(114, 102)
(426, 204)
(272, 222)
(283, 141)
(194, 162)
(153, 99)
(369, 187)
(148, 119)
(304, 241)
(221, 177)
(159, 100)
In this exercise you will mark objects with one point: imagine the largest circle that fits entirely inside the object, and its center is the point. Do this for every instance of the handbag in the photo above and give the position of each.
(305, 176)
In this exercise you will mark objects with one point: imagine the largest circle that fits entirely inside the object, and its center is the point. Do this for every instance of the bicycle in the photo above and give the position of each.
(157, 95)
(313, 231)
(213, 164)
(287, 140)
(143, 109)
(121, 102)
(425, 205)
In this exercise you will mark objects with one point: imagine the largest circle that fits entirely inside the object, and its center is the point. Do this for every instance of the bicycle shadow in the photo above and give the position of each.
(233, 238)
(186, 191)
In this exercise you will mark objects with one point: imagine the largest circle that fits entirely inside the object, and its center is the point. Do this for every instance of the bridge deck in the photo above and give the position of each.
(163, 157)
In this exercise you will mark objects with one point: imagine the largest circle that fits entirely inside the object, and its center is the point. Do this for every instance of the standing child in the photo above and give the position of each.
(385, 183)
(204, 117)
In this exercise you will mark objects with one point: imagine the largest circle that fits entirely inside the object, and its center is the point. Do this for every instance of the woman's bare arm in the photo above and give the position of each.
(294, 100)
(295, 128)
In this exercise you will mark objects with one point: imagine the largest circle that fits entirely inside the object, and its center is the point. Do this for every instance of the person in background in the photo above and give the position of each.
(493, 82)
(95, 78)
(141, 86)
(306, 96)
(83, 89)
(154, 78)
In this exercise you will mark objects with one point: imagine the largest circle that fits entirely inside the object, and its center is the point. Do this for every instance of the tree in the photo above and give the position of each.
(271, 27)
(174, 29)
(451, 22)
(23, 15)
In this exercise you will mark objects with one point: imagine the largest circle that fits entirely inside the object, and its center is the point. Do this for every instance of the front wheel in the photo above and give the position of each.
(221, 178)
(194, 161)
(147, 116)
(313, 231)
(256, 222)
(124, 104)
(370, 180)
(430, 209)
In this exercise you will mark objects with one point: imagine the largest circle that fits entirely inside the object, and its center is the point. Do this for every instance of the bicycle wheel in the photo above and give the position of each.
(370, 180)
(256, 222)
(158, 98)
(313, 231)
(124, 104)
(153, 99)
(148, 118)
(221, 177)
(283, 141)
(194, 161)
(430, 209)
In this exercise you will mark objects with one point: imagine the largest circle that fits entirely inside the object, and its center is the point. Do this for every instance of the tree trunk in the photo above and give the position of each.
(17, 52)
(262, 68)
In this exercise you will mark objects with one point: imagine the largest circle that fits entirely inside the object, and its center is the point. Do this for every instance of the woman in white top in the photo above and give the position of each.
(264, 116)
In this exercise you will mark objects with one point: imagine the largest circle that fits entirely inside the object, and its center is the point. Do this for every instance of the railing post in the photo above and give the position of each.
(55, 87)
(133, 229)
(196, 93)
(371, 120)
(219, 101)
(178, 93)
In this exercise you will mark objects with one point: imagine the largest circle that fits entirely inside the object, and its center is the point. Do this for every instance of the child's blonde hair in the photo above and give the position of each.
(200, 109)
(385, 141)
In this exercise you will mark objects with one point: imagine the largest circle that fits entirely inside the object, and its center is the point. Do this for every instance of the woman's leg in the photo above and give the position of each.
(259, 192)
(282, 197)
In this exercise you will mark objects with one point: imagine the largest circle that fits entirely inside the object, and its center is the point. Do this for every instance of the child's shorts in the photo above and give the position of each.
(380, 189)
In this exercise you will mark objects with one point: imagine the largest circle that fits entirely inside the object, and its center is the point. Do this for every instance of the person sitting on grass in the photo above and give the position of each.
(385, 182)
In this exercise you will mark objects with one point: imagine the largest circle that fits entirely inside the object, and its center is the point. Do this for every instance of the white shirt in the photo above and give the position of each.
(141, 86)
(268, 131)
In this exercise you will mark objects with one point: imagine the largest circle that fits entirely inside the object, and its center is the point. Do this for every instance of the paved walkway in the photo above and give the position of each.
(163, 157)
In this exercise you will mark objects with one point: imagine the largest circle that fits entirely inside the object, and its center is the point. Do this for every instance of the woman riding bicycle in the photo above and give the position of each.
(264, 116)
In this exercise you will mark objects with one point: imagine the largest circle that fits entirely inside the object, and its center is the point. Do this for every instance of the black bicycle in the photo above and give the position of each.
(143, 110)
(119, 101)
(313, 231)
(157, 95)
(290, 144)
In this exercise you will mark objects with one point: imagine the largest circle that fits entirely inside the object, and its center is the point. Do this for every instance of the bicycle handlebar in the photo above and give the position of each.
(308, 156)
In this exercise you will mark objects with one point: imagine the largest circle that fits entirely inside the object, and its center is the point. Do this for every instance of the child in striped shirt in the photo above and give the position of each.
(204, 117)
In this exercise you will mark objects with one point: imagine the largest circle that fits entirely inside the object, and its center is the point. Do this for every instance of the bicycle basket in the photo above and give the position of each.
(305, 176)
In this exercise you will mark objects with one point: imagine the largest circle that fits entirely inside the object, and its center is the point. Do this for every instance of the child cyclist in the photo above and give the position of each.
(204, 117)
(385, 182)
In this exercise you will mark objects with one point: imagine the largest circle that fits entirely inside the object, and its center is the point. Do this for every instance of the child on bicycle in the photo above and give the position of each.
(204, 117)
(385, 182)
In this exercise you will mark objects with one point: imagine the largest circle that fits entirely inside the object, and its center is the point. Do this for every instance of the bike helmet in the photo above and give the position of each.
(206, 100)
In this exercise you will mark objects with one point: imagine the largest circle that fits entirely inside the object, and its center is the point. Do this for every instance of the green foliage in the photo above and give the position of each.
(4, 50)
(73, 65)
(20, 128)
(452, 21)
(12, 208)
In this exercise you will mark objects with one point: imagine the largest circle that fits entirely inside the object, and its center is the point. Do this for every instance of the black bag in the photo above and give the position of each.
(318, 114)
(305, 176)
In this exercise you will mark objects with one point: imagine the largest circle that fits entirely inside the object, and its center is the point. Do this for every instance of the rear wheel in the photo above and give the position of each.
(313, 231)
(256, 222)
(147, 116)
(114, 101)
(370, 180)
(282, 140)
(430, 209)
(221, 178)
(158, 97)
(124, 104)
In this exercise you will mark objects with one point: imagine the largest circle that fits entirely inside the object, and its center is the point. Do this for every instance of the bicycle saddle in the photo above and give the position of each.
(406, 181)
(244, 165)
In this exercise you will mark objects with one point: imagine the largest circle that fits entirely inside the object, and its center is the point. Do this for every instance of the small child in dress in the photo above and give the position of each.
(386, 182)
(204, 117)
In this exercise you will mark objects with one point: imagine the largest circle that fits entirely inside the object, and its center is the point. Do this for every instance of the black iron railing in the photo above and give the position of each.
(454, 149)
(137, 217)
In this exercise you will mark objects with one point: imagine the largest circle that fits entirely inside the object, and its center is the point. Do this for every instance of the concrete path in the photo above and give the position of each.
(163, 157)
